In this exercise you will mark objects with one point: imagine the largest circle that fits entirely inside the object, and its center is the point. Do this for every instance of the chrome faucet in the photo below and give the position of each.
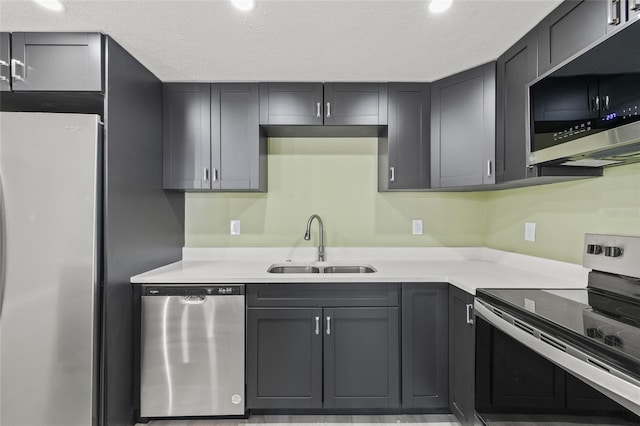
(307, 235)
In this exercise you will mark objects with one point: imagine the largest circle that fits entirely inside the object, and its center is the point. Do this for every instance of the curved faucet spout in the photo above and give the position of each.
(307, 235)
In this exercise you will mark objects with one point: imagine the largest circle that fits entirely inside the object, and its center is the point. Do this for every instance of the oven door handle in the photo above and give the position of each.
(590, 370)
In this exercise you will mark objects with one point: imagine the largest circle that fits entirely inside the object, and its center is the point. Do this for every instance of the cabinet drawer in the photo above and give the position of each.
(327, 295)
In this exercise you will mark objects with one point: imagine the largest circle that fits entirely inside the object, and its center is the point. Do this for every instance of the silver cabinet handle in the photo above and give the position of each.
(595, 103)
(4, 64)
(318, 112)
(215, 175)
(635, 4)
(328, 326)
(14, 72)
(469, 315)
(392, 173)
(206, 173)
(328, 109)
(489, 168)
(317, 326)
(615, 9)
(605, 100)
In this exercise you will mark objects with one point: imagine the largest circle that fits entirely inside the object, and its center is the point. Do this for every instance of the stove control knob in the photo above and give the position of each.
(593, 332)
(612, 340)
(594, 249)
(612, 251)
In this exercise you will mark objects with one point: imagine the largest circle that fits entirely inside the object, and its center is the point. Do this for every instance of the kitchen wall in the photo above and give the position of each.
(337, 179)
(564, 212)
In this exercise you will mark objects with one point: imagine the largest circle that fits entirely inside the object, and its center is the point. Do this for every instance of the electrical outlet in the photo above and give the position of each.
(529, 231)
(416, 225)
(235, 227)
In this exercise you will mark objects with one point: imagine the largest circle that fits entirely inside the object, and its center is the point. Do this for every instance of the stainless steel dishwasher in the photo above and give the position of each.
(192, 351)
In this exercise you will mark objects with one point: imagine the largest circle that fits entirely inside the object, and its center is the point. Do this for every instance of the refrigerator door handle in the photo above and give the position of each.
(3, 246)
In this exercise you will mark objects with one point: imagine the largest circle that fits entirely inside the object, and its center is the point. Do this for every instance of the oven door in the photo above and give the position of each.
(522, 371)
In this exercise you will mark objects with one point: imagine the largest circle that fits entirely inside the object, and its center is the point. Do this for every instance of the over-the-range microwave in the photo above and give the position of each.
(587, 111)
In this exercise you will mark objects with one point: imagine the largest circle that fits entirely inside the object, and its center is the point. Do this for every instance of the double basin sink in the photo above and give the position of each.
(320, 269)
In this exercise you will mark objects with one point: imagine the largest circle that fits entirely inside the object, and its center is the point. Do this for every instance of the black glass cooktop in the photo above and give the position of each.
(600, 322)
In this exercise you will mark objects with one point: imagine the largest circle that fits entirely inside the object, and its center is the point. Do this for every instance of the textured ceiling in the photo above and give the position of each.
(294, 40)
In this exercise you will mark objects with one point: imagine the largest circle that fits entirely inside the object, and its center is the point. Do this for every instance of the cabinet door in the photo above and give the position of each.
(424, 345)
(633, 9)
(355, 104)
(238, 154)
(57, 61)
(186, 136)
(516, 68)
(361, 358)
(404, 155)
(284, 358)
(571, 27)
(463, 128)
(461, 356)
(5, 62)
(291, 104)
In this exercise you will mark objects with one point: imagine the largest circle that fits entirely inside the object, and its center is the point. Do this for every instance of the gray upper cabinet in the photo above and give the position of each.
(461, 356)
(291, 104)
(211, 138)
(571, 27)
(355, 104)
(57, 62)
(463, 128)
(424, 346)
(404, 152)
(5, 62)
(187, 136)
(516, 68)
(238, 152)
(317, 104)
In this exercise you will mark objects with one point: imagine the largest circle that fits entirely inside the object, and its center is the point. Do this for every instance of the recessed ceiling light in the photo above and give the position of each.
(244, 5)
(53, 5)
(439, 6)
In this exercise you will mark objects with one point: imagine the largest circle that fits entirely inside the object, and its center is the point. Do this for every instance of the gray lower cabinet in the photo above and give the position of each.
(5, 62)
(291, 104)
(329, 356)
(211, 138)
(284, 358)
(463, 128)
(516, 68)
(57, 62)
(461, 356)
(425, 346)
(571, 27)
(404, 152)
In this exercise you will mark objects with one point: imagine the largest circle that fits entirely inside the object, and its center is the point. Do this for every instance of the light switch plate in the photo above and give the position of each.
(416, 226)
(529, 231)
(235, 227)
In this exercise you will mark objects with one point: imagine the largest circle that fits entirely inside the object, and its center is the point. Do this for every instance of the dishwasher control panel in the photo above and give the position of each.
(211, 290)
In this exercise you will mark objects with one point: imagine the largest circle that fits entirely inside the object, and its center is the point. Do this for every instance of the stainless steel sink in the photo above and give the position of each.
(293, 269)
(320, 269)
(348, 269)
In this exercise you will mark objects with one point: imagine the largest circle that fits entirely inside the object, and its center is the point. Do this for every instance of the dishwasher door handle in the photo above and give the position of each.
(193, 300)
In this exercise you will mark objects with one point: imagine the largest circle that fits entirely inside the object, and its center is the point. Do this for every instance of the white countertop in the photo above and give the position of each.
(468, 268)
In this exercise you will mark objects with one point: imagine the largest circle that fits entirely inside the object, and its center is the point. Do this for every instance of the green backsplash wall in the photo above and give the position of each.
(337, 179)
(564, 212)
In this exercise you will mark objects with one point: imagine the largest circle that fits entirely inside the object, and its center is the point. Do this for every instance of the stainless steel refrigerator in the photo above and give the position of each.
(50, 204)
